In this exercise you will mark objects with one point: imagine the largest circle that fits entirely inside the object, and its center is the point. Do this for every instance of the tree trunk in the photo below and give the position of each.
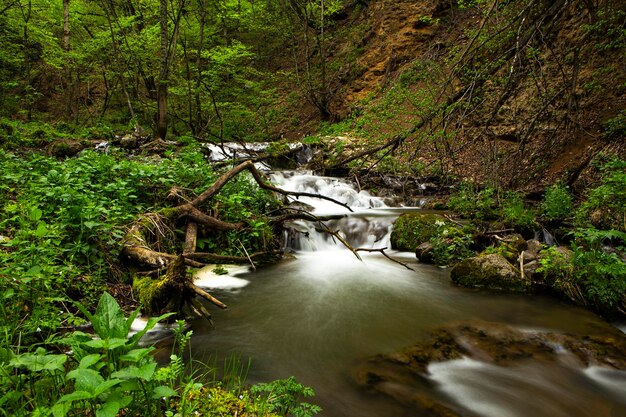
(161, 119)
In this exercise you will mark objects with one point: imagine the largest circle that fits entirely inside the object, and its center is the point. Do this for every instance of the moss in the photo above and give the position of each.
(412, 229)
(163, 294)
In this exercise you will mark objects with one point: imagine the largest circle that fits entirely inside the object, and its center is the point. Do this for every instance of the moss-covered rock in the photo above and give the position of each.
(412, 229)
(490, 271)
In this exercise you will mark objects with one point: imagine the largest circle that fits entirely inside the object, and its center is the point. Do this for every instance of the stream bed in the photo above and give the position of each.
(320, 314)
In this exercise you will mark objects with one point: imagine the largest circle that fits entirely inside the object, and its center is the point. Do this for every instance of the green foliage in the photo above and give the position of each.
(471, 203)
(451, 244)
(589, 276)
(101, 376)
(615, 128)
(515, 213)
(284, 397)
(557, 203)
(220, 270)
(605, 205)
(410, 230)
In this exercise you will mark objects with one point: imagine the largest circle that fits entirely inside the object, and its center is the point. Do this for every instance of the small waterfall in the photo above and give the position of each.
(369, 225)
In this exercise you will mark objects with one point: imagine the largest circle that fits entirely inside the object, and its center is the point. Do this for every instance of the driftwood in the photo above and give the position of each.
(149, 243)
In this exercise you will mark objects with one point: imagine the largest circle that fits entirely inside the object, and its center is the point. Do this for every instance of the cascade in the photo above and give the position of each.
(317, 315)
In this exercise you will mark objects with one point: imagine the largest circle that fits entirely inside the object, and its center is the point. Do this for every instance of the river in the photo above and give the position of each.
(317, 315)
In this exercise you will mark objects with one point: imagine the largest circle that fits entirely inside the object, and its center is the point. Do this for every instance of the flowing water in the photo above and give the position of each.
(318, 314)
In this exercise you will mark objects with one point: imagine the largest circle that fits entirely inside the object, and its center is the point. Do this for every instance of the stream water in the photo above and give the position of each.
(318, 314)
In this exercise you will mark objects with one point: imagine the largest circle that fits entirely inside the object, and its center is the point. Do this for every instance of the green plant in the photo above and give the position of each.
(284, 397)
(515, 213)
(605, 205)
(557, 203)
(113, 372)
(470, 203)
(451, 244)
(590, 277)
(220, 270)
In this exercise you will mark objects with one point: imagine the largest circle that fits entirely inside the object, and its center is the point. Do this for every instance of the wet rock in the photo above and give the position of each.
(424, 253)
(412, 229)
(490, 271)
(404, 375)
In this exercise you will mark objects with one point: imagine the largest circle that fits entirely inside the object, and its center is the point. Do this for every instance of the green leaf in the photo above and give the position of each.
(136, 355)
(106, 385)
(60, 409)
(76, 396)
(90, 224)
(35, 214)
(163, 392)
(152, 321)
(130, 320)
(86, 379)
(42, 230)
(89, 360)
(38, 362)
(109, 344)
(144, 372)
(109, 409)
(108, 320)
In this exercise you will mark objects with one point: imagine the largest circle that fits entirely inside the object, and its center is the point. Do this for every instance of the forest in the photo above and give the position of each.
(143, 141)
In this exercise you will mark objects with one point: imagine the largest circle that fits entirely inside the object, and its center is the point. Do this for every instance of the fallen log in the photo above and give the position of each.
(152, 243)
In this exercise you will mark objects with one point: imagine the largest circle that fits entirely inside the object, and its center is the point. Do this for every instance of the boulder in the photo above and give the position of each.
(63, 148)
(490, 271)
(424, 253)
(412, 229)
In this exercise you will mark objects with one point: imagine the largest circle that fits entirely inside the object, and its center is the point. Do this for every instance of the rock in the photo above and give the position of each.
(424, 253)
(412, 229)
(512, 246)
(129, 142)
(63, 148)
(403, 375)
(490, 271)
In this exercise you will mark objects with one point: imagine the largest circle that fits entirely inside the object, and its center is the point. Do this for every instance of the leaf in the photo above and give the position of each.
(76, 396)
(144, 372)
(163, 392)
(90, 224)
(42, 230)
(136, 355)
(38, 362)
(106, 385)
(86, 379)
(109, 409)
(152, 321)
(89, 360)
(109, 344)
(108, 320)
(35, 214)
(130, 320)
(60, 409)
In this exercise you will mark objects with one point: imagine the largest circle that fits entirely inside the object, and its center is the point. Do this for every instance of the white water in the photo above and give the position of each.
(316, 315)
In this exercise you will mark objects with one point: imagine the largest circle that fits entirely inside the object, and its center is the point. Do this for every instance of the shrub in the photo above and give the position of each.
(590, 277)
(557, 203)
(605, 206)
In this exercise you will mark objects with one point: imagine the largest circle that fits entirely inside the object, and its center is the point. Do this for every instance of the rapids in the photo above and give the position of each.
(317, 315)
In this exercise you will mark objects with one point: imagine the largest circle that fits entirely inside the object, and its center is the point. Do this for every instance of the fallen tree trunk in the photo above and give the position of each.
(151, 243)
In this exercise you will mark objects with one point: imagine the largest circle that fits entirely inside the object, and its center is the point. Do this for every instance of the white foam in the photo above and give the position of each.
(206, 278)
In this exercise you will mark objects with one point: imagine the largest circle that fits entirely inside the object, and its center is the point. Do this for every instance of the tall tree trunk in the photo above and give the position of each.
(66, 25)
(161, 120)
